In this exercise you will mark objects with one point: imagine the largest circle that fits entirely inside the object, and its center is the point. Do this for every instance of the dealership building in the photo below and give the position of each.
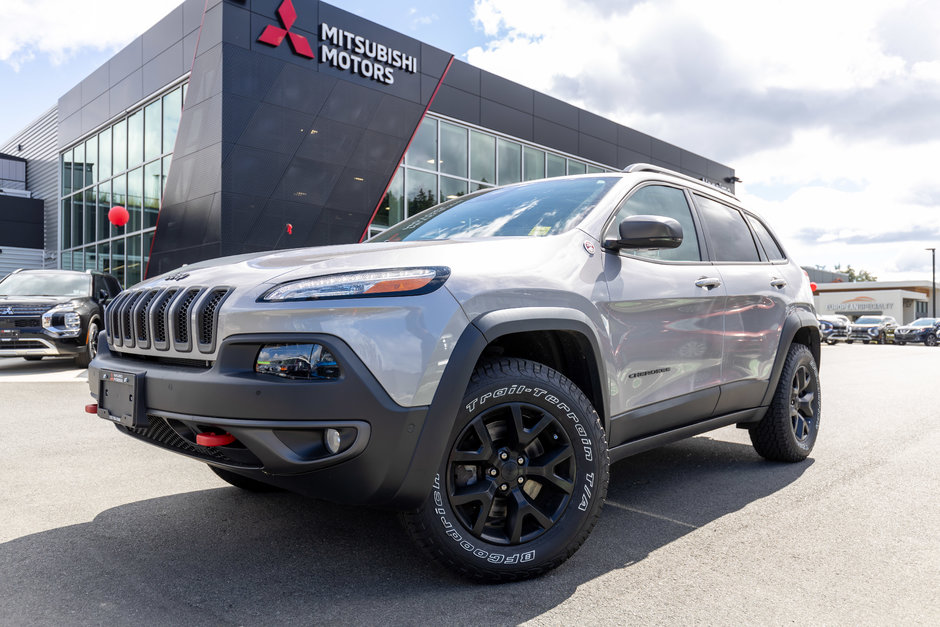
(230, 119)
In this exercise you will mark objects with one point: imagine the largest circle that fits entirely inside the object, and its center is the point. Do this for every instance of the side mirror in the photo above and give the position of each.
(103, 296)
(647, 232)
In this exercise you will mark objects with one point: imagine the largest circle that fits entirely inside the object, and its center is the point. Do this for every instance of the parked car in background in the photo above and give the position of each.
(923, 330)
(872, 329)
(834, 328)
(53, 313)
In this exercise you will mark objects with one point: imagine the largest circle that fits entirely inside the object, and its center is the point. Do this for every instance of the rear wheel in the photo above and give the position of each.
(788, 430)
(523, 480)
(240, 481)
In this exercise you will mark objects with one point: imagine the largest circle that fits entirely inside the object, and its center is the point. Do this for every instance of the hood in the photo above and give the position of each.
(34, 301)
(461, 256)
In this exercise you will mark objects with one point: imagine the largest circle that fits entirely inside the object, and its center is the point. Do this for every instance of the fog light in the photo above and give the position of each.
(297, 361)
(331, 440)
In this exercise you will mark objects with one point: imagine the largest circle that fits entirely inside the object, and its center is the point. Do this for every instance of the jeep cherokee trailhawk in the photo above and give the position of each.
(479, 365)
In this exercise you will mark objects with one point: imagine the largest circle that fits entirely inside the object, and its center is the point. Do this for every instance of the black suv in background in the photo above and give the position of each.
(872, 329)
(834, 328)
(924, 330)
(53, 313)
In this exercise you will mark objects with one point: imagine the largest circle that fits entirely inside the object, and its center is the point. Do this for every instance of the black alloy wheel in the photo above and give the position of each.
(788, 430)
(91, 347)
(510, 474)
(522, 482)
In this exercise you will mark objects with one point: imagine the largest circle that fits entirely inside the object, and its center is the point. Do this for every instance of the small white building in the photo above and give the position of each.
(905, 300)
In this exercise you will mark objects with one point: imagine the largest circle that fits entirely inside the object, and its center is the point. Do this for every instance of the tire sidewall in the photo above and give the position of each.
(581, 425)
(804, 357)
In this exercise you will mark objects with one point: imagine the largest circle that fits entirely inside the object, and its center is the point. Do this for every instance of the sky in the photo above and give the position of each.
(829, 111)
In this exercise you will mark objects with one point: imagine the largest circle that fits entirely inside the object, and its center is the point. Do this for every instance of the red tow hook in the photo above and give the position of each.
(92, 408)
(214, 439)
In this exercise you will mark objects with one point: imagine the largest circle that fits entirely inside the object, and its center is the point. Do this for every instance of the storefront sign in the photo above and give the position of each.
(364, 57)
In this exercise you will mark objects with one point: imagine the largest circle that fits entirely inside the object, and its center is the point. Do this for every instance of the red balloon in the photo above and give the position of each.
(118, 215)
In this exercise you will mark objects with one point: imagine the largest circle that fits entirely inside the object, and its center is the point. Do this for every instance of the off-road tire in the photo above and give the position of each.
(788, 430)
(91, 348)
(240, 481)
(538, 434)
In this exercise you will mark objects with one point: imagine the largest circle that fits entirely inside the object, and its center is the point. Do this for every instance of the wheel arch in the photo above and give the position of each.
(800, 327)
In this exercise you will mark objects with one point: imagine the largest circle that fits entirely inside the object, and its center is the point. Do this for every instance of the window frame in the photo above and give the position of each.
(762, 258)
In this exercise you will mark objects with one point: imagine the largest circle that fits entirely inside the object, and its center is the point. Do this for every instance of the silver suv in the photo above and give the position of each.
(479, 365)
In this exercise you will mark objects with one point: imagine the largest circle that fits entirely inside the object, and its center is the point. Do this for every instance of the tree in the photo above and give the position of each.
(856, 276)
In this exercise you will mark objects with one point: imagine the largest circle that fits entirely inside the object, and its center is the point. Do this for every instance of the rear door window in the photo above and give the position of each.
(729, 236)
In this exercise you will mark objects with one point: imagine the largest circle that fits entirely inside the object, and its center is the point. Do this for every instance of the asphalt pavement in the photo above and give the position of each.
(96, 528)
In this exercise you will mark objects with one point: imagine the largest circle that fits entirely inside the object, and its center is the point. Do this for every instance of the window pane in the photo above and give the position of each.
(421, 191)
(104, 257)
(104, 154)
(534, 164)
(453, 149)
(90, 213)
(153, 135)
(91, 160)
(510, 162)
(66, 260)
(392, 208)
(556, 166)
(118, 196)
(767, 240)
(120, 146)
(134, 200)
(657, 200)
(78, 167)
(135, 139)
(152, 190)
(117, 260)
(172, 107)
(104, 205)
(148, 244)
(593, 169)
(65, 223)
(452, 188)
(166, 171)
(727, 231)
(576, 167)
(90, 257)
(482, 157)
(78, 211)
(66, 172)
(423, 150)
(134, 270)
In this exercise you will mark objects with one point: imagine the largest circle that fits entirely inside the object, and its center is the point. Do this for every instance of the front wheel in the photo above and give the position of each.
(523, 480)
(91, 347)
(931, 340)
(882, 338)
(788, 430)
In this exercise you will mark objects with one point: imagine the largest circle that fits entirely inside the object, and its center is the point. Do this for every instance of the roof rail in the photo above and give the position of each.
(648, 167)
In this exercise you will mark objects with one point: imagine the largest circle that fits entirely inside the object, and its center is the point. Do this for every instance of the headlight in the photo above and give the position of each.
(62, 320)
(873, 331)
(372, 283)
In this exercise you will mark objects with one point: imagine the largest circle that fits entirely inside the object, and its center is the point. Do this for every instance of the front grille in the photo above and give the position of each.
(185, 320)
(23, 310)
(27, 322)
(161, 433)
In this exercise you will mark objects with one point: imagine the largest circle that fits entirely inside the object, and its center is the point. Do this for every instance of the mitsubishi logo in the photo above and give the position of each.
(273, 36)
(8, 311)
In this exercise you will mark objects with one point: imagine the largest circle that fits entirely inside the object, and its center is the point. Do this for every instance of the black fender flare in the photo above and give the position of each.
(441, 421)
(797, 320)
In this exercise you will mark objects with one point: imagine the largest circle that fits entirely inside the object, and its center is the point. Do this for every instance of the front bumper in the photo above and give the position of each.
(278, 424)
(917, 336)
(36, 343)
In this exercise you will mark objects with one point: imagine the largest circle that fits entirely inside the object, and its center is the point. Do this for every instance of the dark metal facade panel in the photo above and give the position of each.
(464, 77)
(192, 15)
(236, 27)
(693, 164)
(634, 140)
(505, 119)
(555, 110)
(21, 221)
(555, 136)
(505, 92)
(165, 68)
(162, 35)
(664, 153)
(597, 150)
(457, 104)
(596, 126)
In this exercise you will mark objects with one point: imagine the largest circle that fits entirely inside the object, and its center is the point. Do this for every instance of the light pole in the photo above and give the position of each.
(933, 281)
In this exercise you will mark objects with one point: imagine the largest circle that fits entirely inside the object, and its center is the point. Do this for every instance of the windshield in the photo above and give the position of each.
(27, 284)
(537, 209)
(868, 320)
(924, 322)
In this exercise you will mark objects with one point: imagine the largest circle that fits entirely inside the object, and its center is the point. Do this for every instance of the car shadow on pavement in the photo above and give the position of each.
(228, 556)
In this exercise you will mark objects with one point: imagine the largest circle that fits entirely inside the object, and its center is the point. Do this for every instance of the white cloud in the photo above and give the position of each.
(60, 28)
(829, 111)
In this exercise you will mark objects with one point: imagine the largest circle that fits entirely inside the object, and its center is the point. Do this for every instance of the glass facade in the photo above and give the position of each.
(447, 159)
(124, 164)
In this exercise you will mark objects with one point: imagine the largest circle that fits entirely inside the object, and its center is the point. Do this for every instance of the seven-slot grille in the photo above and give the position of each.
(184, 319)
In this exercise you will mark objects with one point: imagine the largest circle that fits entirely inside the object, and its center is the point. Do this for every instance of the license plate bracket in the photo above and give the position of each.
(121, 398)
(9, 334)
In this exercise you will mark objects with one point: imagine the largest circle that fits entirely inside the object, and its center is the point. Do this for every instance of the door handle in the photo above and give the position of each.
(779, 283)
(708, 282)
